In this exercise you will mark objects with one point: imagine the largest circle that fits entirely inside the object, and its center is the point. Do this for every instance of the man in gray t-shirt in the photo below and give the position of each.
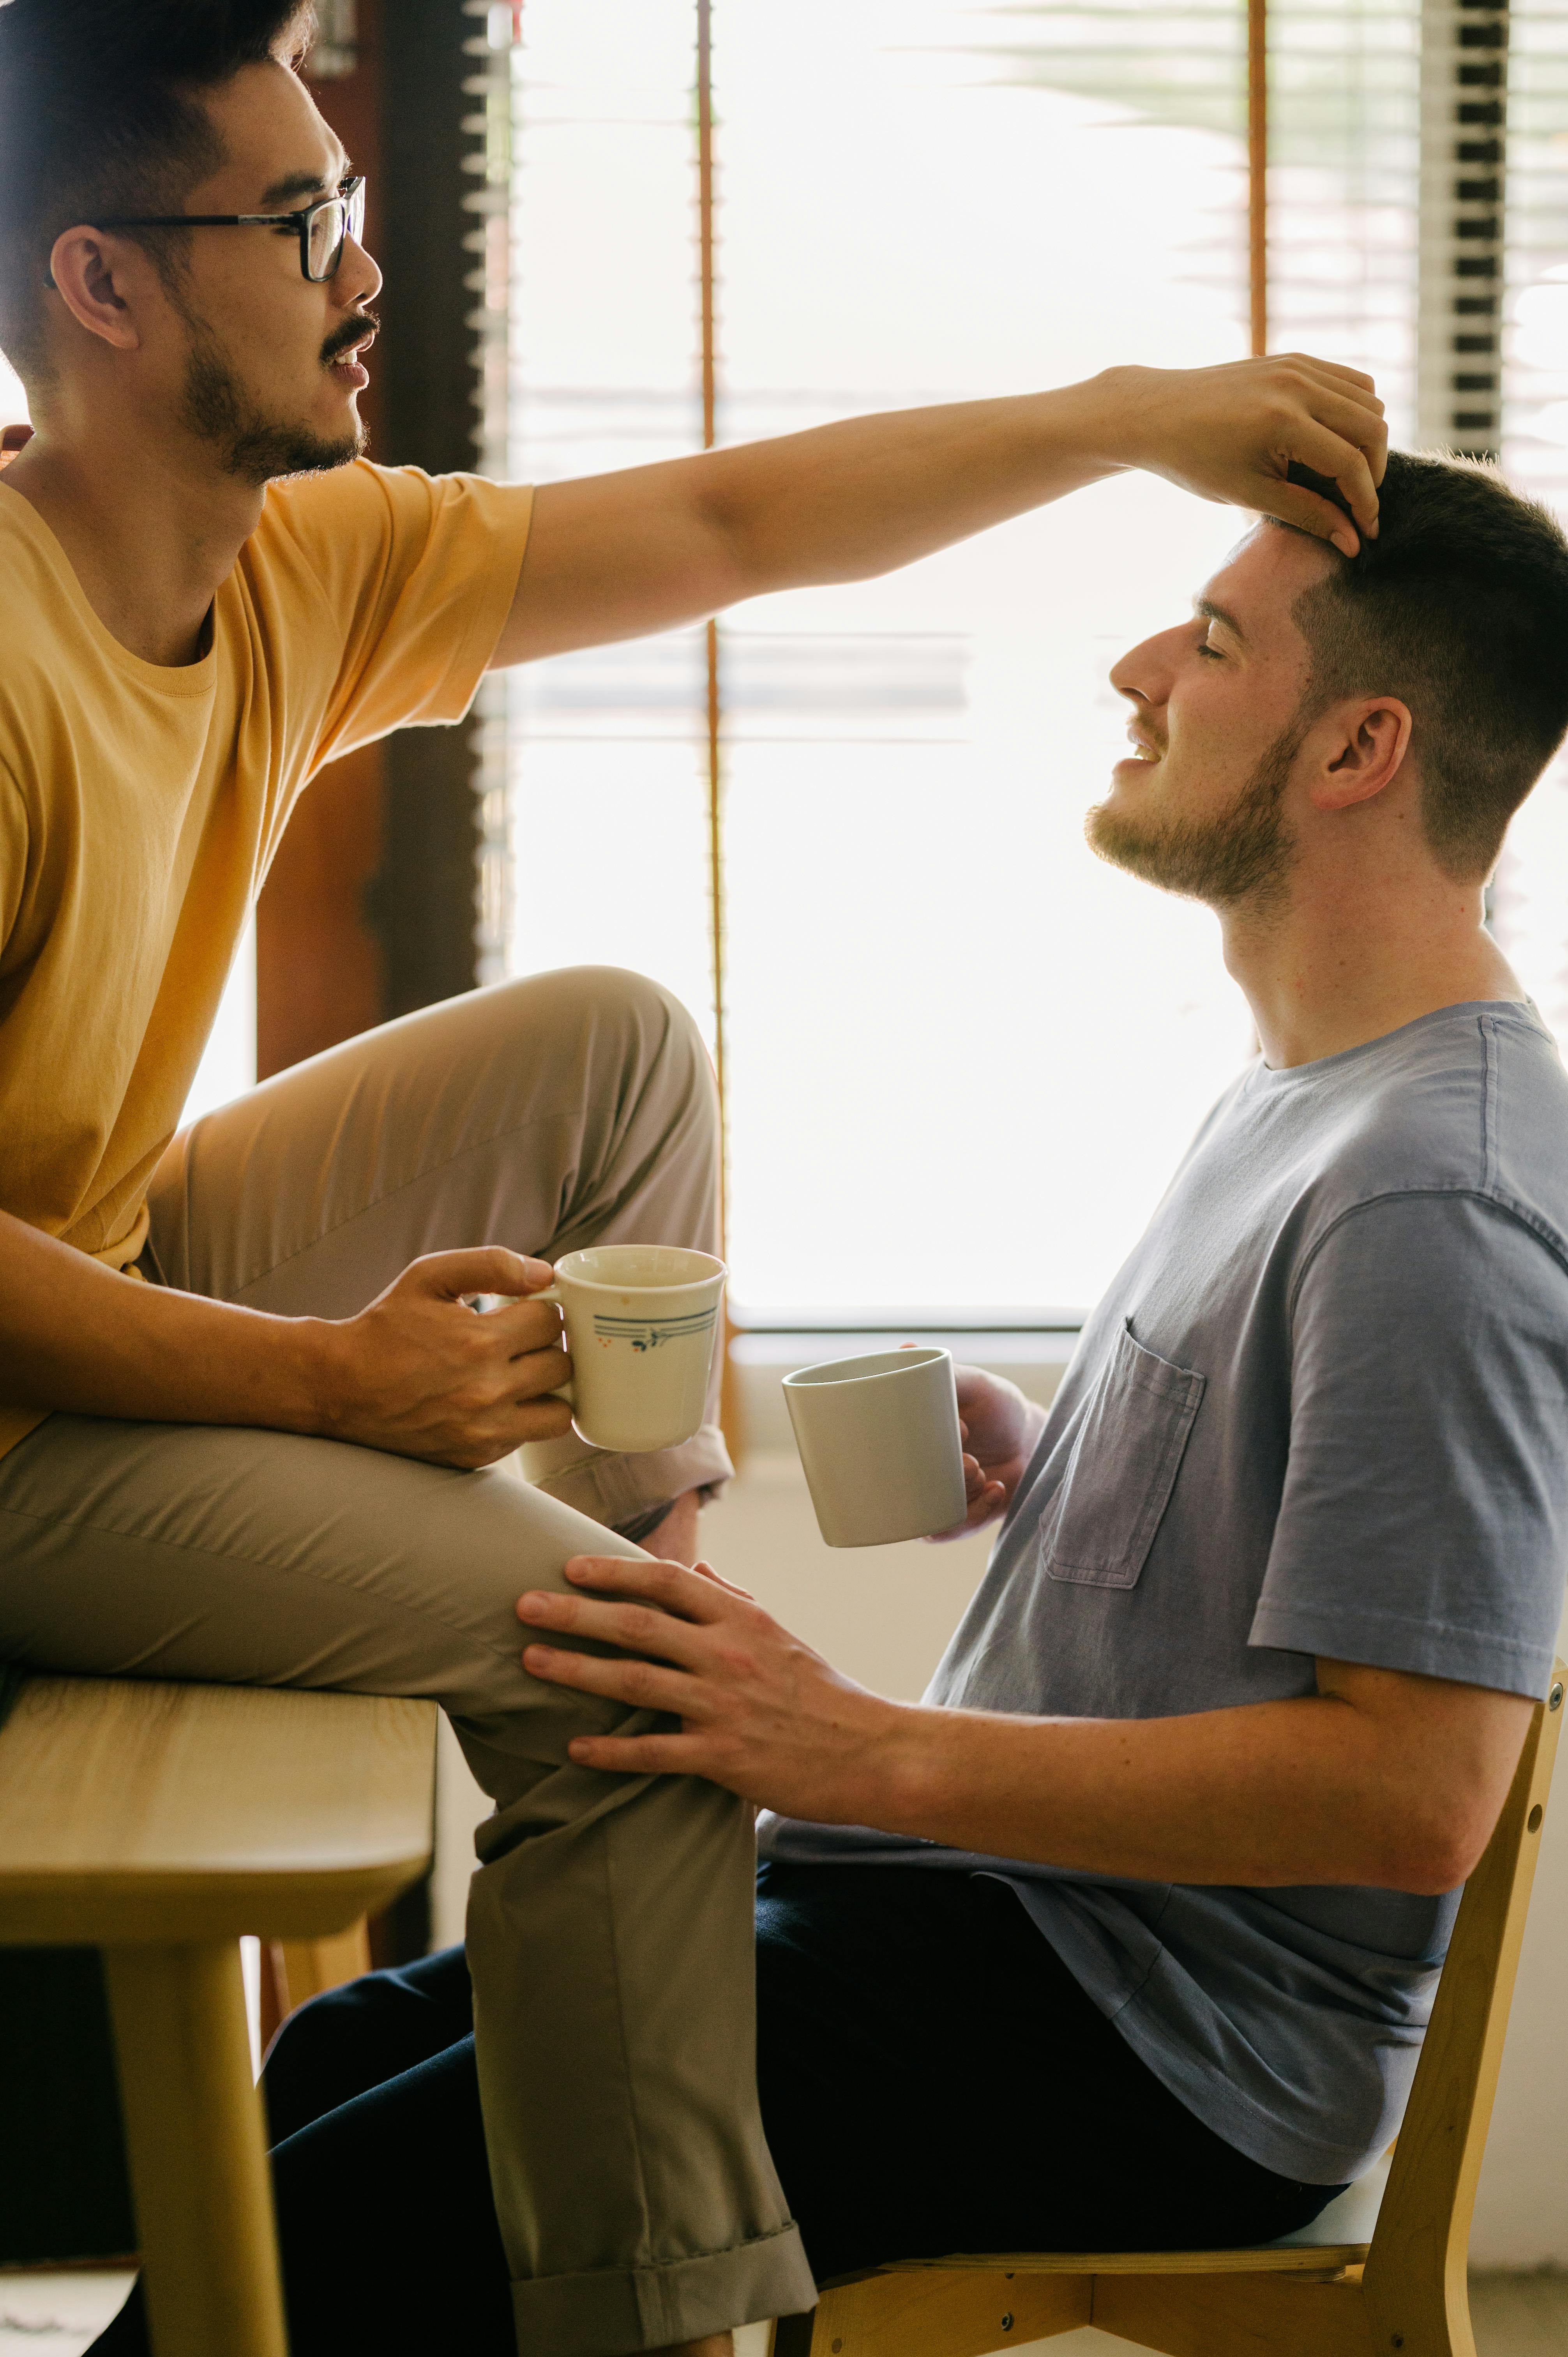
(1235, 1707)
(1323, 1410)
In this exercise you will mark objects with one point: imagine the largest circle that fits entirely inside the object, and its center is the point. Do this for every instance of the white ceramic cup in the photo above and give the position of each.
(879, 1441)
(642, 1325)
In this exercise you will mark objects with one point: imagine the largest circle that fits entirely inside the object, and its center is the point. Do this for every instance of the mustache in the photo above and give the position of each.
(352, 331)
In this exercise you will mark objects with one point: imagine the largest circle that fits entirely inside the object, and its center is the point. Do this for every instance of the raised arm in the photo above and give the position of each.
(616, 556)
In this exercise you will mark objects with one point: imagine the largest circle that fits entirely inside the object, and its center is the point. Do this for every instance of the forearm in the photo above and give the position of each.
(611, 556)
(1383, 1777)
(1268, 1794)
(847, 501)
(76, 1335)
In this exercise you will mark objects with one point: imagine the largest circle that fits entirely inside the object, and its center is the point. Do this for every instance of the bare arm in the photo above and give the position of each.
(1379, 1778)
(415, 1373)
(614, 556)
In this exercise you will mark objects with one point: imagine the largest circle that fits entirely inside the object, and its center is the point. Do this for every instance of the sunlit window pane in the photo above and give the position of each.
(963, 1054)
(607, 750)
(1343, 173)
(1531, 893)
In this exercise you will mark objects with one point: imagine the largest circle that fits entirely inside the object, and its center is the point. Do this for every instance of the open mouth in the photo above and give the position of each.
(346, 362)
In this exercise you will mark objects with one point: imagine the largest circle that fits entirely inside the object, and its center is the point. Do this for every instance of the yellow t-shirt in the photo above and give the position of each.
(140, 805)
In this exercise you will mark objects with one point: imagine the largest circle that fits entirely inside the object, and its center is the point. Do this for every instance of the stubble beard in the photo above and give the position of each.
(252, 448)
(1241, 859)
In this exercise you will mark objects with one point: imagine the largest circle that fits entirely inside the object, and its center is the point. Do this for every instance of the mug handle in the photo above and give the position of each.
(567, 1389)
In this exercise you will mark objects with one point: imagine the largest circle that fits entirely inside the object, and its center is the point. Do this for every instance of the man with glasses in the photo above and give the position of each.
(245, 1413)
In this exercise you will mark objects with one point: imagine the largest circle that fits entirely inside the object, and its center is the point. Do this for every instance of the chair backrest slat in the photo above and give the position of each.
(1423, 2226)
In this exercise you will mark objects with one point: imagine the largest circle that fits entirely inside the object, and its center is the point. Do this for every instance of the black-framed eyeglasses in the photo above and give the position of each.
(324, 229)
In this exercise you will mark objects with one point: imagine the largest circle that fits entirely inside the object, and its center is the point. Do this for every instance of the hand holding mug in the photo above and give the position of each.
(1000, 1427)
(418, 1375)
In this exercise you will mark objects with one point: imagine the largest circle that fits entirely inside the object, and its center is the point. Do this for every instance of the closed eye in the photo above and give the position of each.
(1215, 654)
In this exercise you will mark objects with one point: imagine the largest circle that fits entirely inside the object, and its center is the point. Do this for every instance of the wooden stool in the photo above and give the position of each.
(159, 1824)
(1344, 2287)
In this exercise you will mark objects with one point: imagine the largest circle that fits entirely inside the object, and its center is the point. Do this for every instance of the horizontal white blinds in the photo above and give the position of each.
(919, 200)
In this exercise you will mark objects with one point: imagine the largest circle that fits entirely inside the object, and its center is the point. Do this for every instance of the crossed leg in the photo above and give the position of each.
(609, 1924)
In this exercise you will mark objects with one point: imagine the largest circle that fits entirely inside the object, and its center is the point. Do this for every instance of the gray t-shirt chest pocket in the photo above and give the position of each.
(1099, 1528)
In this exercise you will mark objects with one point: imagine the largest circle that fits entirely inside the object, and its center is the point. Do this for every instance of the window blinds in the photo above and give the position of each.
(919, 198)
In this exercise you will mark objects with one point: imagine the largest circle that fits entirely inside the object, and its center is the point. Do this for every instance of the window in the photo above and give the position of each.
(960, 1054)
(1530, 891)
(961, 1057)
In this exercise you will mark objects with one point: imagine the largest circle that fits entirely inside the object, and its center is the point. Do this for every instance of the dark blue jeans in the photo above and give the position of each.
(932, 2080)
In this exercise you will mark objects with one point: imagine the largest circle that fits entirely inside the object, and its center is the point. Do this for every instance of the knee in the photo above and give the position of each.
(601, 1014)
(614, 997)
(355, 2038)
(298, 2070)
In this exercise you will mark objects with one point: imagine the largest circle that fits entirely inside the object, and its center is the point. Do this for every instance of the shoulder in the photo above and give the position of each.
(316, 519)
(1467, 1109)
(1473, 1099)
(32, 588)
(359, 528)
(42, 637)
(364, 499)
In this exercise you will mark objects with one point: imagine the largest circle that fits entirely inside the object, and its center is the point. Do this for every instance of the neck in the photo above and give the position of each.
(149, 525)
(1352, 957)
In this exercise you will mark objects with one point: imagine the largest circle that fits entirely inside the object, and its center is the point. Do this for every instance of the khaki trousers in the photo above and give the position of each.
(610, 1923)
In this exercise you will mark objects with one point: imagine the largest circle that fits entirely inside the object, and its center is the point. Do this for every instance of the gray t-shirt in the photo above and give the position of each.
(1322, 1410)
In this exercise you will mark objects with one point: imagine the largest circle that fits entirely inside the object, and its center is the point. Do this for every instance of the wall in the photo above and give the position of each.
(320, 972)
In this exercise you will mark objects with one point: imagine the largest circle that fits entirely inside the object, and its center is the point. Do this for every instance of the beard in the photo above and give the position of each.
(1243, 855)
(251, 446)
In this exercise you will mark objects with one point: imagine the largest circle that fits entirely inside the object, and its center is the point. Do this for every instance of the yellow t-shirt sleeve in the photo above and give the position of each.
(418, 574)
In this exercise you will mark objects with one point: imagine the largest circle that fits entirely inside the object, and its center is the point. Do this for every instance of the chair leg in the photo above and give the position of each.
(308, 1968)
(198, 2166)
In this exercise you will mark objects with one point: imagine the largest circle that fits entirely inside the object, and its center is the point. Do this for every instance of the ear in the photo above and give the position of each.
(97, 279)
(1363, 748)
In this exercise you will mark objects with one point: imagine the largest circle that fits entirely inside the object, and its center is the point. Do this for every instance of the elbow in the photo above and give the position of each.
(1429, 1855)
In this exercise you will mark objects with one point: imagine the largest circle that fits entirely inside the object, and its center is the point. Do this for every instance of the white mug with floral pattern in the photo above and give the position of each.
(642, 1324)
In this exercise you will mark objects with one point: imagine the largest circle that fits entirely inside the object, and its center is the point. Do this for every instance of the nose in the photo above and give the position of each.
(357, 279)
(1144, 672)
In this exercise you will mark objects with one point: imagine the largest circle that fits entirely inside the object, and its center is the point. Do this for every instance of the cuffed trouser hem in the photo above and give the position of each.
(611, 1489)
(616, 2311)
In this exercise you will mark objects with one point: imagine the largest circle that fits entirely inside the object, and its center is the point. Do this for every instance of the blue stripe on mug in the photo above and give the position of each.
(647, 1333)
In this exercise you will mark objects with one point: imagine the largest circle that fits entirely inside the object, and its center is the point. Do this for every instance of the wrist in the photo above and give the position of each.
(315, 1375)
(903, 1769)
(1117, 405)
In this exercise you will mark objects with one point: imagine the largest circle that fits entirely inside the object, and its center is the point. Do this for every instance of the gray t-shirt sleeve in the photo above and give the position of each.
(1424, 1520)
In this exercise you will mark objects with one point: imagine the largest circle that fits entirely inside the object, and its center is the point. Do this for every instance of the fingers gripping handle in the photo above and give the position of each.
(563, 1391)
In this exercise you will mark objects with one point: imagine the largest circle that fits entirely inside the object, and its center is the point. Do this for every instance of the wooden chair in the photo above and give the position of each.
(159, 1824)
(1326, 2292)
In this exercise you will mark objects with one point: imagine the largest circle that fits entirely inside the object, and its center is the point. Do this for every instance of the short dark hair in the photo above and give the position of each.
(100, 114)
(1459, 608)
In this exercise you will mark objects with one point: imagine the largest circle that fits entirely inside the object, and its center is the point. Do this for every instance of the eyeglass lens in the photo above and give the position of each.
(330, 224)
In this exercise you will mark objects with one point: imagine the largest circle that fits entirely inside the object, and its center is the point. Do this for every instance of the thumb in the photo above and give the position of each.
(1309, 512)
(486, 1268)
